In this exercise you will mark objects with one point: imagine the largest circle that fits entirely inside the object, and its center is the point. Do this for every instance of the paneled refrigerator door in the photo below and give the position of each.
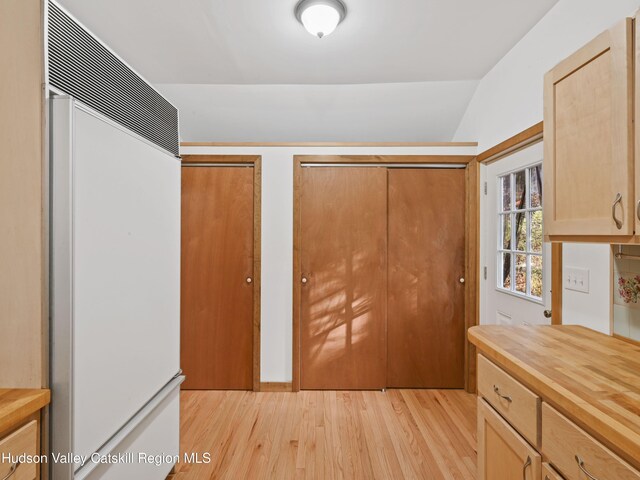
(115, 226)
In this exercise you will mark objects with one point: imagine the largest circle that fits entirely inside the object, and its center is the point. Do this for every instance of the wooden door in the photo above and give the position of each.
(425, 319)
(343, 238)
(588, 136)
(502, 453)
(217, 268)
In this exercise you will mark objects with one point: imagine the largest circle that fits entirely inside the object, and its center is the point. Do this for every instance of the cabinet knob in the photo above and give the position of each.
(249, 280)
(461, 280)
(304, 280)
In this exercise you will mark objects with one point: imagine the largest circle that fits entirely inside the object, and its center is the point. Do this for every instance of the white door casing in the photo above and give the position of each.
(496, 305)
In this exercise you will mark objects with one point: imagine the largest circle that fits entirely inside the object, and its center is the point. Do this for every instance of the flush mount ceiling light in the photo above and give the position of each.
(320, 17)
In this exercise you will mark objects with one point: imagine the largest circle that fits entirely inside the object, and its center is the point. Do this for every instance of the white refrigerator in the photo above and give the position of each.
(115, 299)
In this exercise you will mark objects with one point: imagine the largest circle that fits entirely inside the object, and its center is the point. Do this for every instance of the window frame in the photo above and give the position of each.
(528, 211)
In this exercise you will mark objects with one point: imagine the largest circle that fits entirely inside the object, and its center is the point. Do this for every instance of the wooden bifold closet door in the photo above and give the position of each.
(382, 253)
(217, 270)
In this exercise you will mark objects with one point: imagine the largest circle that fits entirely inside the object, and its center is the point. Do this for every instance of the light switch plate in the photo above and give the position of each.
(576, 279)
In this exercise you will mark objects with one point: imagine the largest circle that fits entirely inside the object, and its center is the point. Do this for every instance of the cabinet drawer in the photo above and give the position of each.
(549, 473)
(565, 445)
(22, 441)
(516, 403)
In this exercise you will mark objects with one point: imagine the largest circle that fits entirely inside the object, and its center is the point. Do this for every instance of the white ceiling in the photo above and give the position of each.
(398, 112)
(260, 41)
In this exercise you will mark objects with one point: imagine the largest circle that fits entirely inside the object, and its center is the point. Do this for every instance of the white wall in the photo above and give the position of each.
(277, 239)
(396, 112)
(509, 99)
(591, 310)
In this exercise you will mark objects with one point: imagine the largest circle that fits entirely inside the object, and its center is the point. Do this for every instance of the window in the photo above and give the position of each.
(520, 232)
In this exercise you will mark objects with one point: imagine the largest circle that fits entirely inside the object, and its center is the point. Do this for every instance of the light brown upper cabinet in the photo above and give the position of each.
(588, 133)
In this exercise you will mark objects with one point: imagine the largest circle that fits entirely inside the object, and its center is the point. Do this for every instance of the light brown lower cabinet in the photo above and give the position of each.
(549, 473)
(569, 452)
(502, 453)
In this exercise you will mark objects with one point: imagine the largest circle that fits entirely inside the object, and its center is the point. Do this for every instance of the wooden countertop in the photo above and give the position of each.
(592, 378)
(16, 404)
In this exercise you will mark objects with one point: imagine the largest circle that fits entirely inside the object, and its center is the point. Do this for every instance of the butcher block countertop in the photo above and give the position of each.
(592, 378)
(16, 404)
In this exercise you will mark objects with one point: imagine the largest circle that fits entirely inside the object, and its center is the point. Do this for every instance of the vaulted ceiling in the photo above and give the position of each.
(259, 42)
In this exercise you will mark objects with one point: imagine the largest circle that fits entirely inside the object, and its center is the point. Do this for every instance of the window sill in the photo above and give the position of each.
(522, 296)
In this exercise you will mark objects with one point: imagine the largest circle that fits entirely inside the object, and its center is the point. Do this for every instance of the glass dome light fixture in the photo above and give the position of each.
(320, 17)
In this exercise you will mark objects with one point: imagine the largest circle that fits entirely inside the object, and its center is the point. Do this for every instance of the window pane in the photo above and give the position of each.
(505, 191)
(505, 271)
(535, 175)
(536, 231)
(521, 231)
(521, 273)
(521, 190)
(536, 276)
(506, 231)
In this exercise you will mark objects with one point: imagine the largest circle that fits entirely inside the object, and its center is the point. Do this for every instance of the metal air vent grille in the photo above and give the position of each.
(84, 68)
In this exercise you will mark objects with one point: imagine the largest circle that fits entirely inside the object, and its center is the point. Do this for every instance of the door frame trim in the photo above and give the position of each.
(255, 162)
(471, 246)
(512, 144)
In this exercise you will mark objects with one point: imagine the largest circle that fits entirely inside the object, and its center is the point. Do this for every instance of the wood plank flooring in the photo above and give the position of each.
(411, 434)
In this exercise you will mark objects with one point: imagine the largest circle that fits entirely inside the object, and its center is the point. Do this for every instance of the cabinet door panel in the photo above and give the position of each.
(502, 453)
(588, 130)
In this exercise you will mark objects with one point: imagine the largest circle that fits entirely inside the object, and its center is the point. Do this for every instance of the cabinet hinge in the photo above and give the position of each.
(485, 188)
(485, 273)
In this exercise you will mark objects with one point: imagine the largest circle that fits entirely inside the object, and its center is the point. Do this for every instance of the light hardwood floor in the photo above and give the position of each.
(427, 434)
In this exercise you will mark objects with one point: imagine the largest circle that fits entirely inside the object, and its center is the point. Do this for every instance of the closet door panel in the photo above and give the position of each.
(343, 232)
(217, 259)
(426, 263)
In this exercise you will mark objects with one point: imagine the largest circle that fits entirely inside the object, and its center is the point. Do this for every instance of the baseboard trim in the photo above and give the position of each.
(275, 387)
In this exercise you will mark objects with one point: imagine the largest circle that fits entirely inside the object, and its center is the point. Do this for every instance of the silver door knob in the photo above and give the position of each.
(304, 280)
(249, 279)
(461, 279)
(547, 314)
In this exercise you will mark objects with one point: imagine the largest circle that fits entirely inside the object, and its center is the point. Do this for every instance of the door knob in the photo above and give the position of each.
(249, 279)
(304, 280)
(461, 279)
(547, 314)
